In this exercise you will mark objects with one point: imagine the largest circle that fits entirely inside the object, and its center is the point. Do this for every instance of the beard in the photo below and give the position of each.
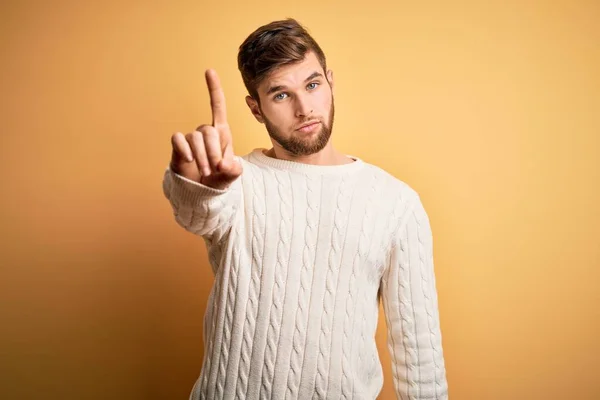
(303, 146)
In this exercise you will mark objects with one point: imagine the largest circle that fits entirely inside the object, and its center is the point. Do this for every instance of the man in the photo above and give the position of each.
(304, 241)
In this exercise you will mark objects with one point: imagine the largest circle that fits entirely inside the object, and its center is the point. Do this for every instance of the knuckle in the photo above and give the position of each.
(177, 138)
(210, 131)
(207, 131)
(196, 137)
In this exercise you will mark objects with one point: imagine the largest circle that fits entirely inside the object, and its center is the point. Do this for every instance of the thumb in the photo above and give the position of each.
(229, 164)
(230, 167)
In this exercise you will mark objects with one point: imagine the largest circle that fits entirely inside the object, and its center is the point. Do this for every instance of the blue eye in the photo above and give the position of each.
(279, 96)
(312, 85)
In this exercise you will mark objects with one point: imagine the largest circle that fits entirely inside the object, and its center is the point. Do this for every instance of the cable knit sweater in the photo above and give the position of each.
(302, 254)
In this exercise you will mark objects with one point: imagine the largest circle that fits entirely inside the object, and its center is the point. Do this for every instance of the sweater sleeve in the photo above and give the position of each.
(202, 210)
(411, 309)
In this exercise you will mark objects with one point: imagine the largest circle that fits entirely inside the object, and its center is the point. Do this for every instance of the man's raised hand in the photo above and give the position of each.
(206, 155)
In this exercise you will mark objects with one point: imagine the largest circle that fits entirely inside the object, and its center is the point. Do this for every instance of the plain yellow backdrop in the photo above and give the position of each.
(490, 110)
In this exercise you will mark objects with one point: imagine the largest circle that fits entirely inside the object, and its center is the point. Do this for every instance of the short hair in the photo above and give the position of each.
(271, 46)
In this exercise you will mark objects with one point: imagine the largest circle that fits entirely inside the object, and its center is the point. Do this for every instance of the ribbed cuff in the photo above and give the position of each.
(191, 192)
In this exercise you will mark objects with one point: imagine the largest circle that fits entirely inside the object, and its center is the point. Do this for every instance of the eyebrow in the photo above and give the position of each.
(277, 88)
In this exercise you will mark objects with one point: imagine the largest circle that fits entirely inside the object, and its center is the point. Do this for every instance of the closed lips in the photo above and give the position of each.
(309, 124)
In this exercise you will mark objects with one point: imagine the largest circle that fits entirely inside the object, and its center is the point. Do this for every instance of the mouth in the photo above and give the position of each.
(309, 127)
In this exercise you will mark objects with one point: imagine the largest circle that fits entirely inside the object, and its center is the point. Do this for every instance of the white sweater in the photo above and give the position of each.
(301, 255)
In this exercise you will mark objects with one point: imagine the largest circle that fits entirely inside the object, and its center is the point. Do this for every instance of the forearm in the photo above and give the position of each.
(200, 209)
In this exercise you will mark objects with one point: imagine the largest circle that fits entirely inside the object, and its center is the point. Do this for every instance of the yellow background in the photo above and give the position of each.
(491, 110)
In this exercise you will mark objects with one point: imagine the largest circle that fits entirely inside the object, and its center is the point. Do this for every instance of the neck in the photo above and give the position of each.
(328, 156)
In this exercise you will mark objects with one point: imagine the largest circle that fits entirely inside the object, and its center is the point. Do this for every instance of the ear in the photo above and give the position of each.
(254, 109)
(330, 78)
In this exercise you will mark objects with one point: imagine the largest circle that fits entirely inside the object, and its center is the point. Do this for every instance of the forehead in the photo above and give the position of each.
(292, 74)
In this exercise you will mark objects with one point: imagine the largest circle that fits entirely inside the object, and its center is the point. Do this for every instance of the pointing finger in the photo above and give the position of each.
(217, 98)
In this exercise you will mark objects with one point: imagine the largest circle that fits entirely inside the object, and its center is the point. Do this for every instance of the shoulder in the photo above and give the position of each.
(393, 188)
(397, 198)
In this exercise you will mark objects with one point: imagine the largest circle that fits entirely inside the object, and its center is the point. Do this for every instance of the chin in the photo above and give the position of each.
(302, 144)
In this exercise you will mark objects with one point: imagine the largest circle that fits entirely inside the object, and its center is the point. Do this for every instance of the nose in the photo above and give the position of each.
(303, 107)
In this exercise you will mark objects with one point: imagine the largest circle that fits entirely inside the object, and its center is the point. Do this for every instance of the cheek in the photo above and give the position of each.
(279, 116)
(325, 99)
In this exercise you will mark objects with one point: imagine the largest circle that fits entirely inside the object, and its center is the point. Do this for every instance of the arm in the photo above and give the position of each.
(410, 304)
(200, 209)
(202, 181)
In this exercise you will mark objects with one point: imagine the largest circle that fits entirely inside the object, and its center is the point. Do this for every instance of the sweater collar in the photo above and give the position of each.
(258, 157)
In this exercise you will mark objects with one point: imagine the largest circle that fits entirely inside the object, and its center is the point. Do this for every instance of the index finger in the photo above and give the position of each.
(217, 98)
